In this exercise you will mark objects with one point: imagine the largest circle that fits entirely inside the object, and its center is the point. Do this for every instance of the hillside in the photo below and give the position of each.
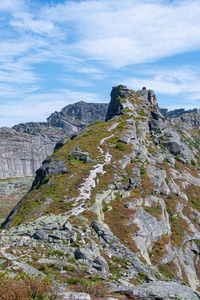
(116, 208)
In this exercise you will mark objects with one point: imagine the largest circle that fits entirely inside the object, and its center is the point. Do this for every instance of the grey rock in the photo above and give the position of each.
(156, 126)
(79, 155)
(125, 161)
(49, 167)
(124, 139)
(173, 146)
(100, 264)
(74, 296)
(41, 235)
(158, 176)
(103, 232)
(50, 227)
(148, 95)
(84, 253)
(70, 235)
(56, 236)
(174, 187)
(164, 290)
(67, 226)
(170, 158)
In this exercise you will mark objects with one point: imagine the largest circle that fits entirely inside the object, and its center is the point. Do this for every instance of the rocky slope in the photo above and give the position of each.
(186, 118)
(25, 146)
(117, 204)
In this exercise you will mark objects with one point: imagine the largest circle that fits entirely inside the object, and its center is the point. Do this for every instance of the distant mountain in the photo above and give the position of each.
(26, 145)
(116, 207)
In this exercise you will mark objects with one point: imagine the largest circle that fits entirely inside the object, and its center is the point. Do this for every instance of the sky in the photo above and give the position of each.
(55, 52)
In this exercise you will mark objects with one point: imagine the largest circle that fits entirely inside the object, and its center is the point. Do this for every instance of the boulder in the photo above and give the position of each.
(41, 235)
(163, 290)
(172, 146)
(79, 155)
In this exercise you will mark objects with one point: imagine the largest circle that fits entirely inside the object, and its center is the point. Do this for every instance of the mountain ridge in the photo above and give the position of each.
(119, 201)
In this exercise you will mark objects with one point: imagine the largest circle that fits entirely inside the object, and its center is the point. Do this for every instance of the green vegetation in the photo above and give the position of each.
(121, 146)
(142, 172)
(166, 272)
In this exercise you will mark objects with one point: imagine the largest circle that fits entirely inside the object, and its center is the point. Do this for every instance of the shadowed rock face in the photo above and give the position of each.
(25, 146)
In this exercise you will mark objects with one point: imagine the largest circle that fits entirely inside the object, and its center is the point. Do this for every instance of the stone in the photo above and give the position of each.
(172, 146)
(100, 264)
(67, 226)
(74, 296)
(41, 235)
(79, 155)
(84, 253)
(163, 290)
(158, 176)
(70, 235)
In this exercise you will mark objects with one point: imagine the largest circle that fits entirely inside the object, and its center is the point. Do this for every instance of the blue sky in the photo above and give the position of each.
(56, 52)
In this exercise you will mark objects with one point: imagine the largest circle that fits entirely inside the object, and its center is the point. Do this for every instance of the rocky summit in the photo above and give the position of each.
(115, 210)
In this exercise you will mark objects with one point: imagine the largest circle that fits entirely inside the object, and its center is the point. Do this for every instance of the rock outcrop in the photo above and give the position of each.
(187, 118)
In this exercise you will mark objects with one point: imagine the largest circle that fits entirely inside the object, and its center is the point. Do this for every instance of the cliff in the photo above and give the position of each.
(25, 146)
(117, 204)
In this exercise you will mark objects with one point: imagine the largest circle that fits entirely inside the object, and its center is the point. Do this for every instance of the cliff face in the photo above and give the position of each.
(118, 203)
(25, 146)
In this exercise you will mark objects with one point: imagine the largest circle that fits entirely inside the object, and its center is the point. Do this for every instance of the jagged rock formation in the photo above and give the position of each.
(117, 203)
(189, 119)
(25, 146)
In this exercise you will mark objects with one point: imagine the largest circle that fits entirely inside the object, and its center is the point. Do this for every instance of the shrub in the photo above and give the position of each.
(176, 166)
(77, 280)
(193, 162)
(26, 289)
(143, 171)
(121, 147)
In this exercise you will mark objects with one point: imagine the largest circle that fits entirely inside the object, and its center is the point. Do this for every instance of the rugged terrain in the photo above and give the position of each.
(116, 208)
(25, 146)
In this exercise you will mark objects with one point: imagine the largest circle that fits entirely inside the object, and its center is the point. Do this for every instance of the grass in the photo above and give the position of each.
(117, 220)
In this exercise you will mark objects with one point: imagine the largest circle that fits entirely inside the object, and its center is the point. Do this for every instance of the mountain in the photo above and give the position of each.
(116, 208)
(25, 146)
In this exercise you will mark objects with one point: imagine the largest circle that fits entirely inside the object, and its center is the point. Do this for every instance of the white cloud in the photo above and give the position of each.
(134, 32)
(91, 39)
(171, 81)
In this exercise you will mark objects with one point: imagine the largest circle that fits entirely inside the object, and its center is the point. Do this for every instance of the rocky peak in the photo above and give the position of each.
(74, 117)
(148, 95)
(119, 100)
